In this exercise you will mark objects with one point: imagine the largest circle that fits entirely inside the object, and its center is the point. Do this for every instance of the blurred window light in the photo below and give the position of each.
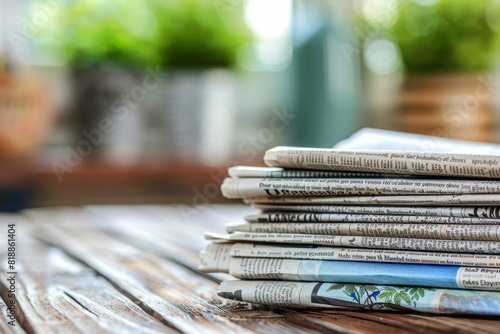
(269, 19)
(271, 23)
(381, 56)
(381, 12)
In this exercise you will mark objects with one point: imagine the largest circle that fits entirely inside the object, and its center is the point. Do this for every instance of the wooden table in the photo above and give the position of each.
(132, 269)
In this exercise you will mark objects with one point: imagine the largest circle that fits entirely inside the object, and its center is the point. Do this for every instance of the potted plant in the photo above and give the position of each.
(112, 46)
(448, 50)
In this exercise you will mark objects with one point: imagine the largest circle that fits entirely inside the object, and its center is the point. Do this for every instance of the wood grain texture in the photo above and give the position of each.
(59, 295)
(168, 291)
(118, 269)
(4, 321)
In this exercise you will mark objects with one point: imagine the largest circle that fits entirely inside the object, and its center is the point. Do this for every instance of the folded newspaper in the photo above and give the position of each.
(375, 297)
(384, 220)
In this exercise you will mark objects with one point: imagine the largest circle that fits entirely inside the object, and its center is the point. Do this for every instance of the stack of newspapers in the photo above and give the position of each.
(383, 221)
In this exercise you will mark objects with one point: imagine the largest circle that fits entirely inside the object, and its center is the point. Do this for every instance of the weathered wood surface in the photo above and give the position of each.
(133, 270)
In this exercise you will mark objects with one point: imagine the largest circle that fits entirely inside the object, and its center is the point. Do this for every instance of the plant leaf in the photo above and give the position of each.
(335, 287)
(397, 299)
(405, 297)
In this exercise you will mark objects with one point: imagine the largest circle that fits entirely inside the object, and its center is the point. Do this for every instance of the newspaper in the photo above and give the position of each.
(476, 211)
(253, 187)
(474, 278)
(395, 230)
(215, 257)
(214, 253)
(377, 139)
(380, 208)
(279, 217)
(382, 161)
(294, 294)
(420, 200)
(277, 172)
(459, 246)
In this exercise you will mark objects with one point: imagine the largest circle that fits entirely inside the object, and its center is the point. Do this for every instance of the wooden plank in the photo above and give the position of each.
(56, 294)
(166, 290)
(4, 321)
(460, 324)
(6, 300)
(173, 232)
(338, 322)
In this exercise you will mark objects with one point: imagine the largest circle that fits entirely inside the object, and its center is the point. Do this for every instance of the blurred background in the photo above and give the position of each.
(150, 101)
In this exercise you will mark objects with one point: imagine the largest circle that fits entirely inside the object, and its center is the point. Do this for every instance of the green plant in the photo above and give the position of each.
(369, 294)
(446, 35)
(174, 33)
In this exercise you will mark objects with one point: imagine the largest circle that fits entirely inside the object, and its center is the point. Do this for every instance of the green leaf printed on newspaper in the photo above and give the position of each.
(370, 295)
